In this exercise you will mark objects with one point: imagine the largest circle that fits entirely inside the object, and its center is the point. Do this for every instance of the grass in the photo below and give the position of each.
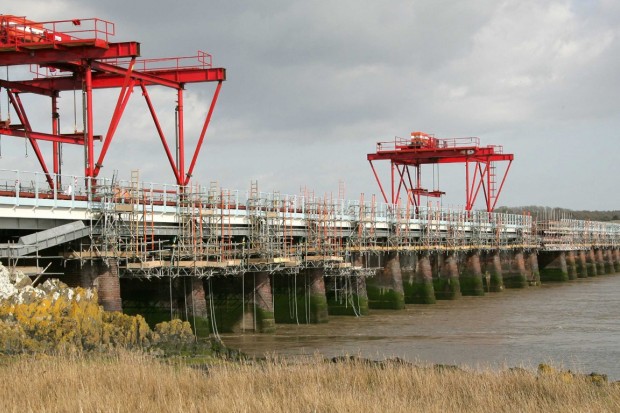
(134, 382)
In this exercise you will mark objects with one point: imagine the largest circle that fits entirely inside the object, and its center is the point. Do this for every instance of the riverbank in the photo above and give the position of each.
(131, 382)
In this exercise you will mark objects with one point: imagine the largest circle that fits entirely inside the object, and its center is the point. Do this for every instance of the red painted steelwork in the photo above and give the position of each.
(77, 55)
(422, 149)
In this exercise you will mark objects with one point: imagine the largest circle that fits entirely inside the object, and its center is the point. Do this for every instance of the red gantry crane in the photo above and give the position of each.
(78, 55)
(422, 149)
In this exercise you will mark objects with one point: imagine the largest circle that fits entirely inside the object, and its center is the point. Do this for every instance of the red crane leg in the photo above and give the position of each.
(160, 132)
(378, 181)
(501, 186)
(21, 114)
(121, 103)
(478, 185)
(203, 132)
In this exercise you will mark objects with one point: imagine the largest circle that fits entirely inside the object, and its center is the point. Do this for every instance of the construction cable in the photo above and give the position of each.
(194, 309)
(254, 300)
(171, 316)
(357, 311)
(307, 298)
(185, 298)
(212, 312)
(295, 300)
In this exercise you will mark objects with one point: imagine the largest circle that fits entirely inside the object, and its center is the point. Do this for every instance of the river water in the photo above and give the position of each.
(574, 325)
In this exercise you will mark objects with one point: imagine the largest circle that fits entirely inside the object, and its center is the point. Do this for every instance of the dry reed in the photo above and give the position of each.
(131, 382)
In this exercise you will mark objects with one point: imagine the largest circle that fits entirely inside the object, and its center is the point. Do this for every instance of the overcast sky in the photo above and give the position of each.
(313, 85)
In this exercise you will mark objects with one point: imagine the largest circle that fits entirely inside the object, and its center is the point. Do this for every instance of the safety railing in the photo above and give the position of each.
(426, 143)
(16, 30)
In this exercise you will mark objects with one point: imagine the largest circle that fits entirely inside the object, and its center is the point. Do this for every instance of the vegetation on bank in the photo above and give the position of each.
(53, 318)
(132, 382)
(542, 213)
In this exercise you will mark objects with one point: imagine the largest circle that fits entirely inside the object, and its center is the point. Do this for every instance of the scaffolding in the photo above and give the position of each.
(270, 233)
(206, 231)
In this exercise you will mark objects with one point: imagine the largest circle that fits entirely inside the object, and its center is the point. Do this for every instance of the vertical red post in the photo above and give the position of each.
(56, 145)
(418, 172)
(181, 143)
(392, 200)
(90, 151)
(467, 190)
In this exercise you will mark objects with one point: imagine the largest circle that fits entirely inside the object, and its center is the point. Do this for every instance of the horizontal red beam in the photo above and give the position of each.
(20, 133)
(63, 54)
(452, 155)
(173, 78)
(21, 87)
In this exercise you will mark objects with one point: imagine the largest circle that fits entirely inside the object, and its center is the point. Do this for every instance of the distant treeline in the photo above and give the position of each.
(541, 212)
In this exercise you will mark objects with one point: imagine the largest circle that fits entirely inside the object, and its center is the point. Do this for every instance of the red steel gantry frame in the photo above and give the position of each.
(422, 149)
(77, 54)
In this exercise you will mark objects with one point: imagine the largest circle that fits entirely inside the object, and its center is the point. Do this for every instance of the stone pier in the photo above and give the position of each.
(608, 257)
(422, 291)
(600, 262)
(494, 278)
(385, 289)
(553, 266)
(471, 275)
(318, 301)
(571, 265)
(616, 255)
(591, 263)
(532, 267)
(408, 265)
(582, 264)
(96, 274)
(197, 310)
(515, 273)
(447, 285)
(262, 299)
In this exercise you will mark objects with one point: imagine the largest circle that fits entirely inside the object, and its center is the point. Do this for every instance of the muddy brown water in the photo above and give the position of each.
(575, 325)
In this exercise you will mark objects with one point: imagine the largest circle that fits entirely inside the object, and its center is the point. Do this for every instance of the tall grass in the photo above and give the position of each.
(130, 382)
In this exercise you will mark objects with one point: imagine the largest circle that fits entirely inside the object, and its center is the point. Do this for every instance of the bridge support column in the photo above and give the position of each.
(471, 275)
(447, 286)
(423, 291)
(532, 268)
(571, 265)
(600, 262)
(515, 275)
(582, 264)
(105, 280)
(408, 266)
(616, 255)
(591, 263)
(197, 306)
(385, 289)
(262, 300)
(318, 299)
(494, 278)
(610, 267)
(553, 266)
